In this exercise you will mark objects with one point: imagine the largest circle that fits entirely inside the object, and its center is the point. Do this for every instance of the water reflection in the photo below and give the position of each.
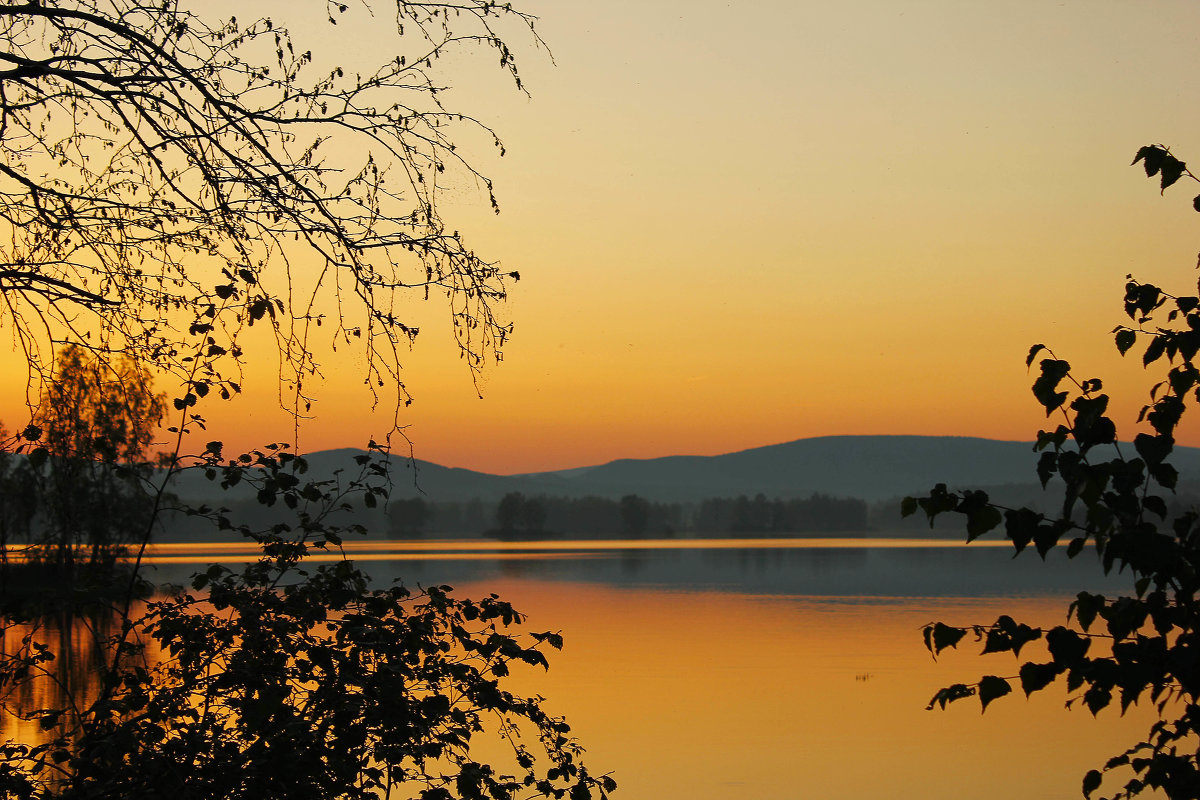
(77, 637)
(834, 567)
(734, 671)
(719, 696)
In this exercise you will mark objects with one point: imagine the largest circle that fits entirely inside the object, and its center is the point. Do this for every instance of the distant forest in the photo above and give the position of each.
(520, 516)
(516, 515)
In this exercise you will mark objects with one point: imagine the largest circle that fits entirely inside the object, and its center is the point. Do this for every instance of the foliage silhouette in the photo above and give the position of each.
(1143, 646)
(518, 515)
(635, 515)
(284, 680)
(314, 688)
(409, 517)
(170, 181)
(88, 469)
(272, 623)
(18, 503)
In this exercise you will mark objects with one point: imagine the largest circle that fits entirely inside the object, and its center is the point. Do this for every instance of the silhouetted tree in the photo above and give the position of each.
(533, 515)
(1141, 646)
(818, 512)
(509, 511)
(163, 174)
(635, 515)
(18, 504)
(516, 513)
(168, 181)
(93, 427)
(410, 517)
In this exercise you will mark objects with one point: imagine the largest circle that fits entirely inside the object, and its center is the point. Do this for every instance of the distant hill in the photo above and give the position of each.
(409, 479)
(868, 467)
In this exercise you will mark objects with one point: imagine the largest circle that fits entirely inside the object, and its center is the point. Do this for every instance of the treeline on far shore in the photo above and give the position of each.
(517, 516)
(520, 516)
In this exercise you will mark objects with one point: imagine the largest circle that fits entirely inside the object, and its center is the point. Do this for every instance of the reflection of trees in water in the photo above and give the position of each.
(75, 641)
(751, 562)
(820, 570)
(633, 561)
(746, 569)
(518, 567)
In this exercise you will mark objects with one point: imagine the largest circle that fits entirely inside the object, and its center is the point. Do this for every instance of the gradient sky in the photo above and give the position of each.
(745, 223)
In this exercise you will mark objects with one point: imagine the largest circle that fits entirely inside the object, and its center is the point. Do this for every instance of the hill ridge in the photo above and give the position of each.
(870, 467)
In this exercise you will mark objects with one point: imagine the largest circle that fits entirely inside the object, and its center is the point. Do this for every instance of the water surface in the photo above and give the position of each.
(752, 669)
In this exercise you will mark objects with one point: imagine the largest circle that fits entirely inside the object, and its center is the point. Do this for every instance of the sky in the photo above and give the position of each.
(739, 224)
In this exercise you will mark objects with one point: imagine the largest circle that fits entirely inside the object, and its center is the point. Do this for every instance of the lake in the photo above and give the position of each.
(751, 669)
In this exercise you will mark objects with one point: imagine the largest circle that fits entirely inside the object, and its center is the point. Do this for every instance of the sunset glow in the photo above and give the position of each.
(742, 225)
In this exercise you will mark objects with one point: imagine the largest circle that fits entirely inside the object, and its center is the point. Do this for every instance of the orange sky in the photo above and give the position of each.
(740, 225)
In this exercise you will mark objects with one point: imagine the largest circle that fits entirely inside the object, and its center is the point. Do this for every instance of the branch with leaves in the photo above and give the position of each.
(289, 680)
(1149, 639)
(168, 181)
(164, 176)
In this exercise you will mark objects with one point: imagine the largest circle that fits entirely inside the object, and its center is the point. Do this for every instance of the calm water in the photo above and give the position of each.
(776, 668)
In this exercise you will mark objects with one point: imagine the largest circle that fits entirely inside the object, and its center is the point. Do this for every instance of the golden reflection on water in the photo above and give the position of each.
(713, 695)
(742, 696)
(569, 545)
(71, 681)
(489, 550)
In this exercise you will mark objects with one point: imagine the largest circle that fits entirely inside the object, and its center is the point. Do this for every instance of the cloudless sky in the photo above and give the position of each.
(745, 223)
